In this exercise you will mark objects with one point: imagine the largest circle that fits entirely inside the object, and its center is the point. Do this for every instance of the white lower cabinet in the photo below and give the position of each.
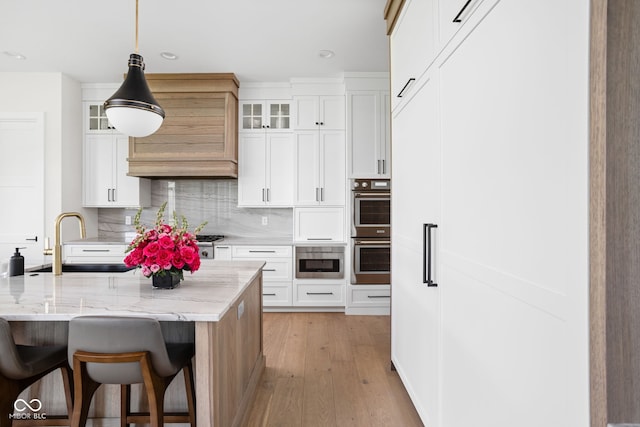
(93, 253)
(318, 293)
(277, 274)
(368, 299)
(222, 252)
(276, 295)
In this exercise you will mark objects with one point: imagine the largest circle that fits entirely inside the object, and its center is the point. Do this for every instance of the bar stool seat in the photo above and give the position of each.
(23, 365)
(125, 351)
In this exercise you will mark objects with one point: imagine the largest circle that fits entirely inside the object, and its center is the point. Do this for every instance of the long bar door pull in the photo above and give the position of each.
(427, 255)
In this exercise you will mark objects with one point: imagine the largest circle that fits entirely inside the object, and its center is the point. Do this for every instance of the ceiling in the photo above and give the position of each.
(258, 40)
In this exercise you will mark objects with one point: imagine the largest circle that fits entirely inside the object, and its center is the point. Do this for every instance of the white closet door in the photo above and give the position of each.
(415, 307)
(514, 104)
(22, 185)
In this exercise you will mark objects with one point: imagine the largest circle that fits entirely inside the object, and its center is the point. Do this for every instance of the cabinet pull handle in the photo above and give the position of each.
(319, 293)
(426, 255)
(261, 252)
(317, 199)
(457, 18)
(268, 295)
(384, 167)
(108, 194)
(378, 296)
(35, 239)
(405, 86)
(268, 195)
(319, 238)
(263, 195)
(95, 250)
(268, 269)
(322, 194)
(222, 247)
(113, 194)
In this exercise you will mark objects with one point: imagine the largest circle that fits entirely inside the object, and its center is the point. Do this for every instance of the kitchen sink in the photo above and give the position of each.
(86, 268)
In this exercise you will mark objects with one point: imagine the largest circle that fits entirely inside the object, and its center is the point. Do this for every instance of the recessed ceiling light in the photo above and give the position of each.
(15, 55)
(326, 54)
(168, 55)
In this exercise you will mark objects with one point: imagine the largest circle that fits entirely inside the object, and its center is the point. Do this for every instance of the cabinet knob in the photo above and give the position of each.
(317, 123)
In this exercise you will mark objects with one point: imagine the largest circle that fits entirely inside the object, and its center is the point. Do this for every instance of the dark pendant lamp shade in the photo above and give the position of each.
(133, 110)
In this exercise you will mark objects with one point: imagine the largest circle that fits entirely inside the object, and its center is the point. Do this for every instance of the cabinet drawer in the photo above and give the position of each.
(106, 254)
(261, 252)
(222, 252)
(379, 296)
(319, 295)
(277, 295)
(275, 269)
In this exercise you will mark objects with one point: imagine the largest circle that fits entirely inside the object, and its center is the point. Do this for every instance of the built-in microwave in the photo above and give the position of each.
(319, 262)
(371, 208)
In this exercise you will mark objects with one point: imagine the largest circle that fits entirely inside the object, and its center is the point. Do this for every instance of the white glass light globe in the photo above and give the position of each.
(134, 121)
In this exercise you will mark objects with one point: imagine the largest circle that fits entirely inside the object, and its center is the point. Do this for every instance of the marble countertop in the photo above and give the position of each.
(204, 296)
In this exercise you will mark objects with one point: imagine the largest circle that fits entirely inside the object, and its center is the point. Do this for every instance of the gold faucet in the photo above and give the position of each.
(57, 248)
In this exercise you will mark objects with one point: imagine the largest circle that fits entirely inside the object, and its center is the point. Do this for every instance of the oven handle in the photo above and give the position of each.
(372, 242)
(377, 194)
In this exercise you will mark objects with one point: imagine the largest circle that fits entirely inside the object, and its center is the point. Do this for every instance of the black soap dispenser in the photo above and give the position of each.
(16, 264)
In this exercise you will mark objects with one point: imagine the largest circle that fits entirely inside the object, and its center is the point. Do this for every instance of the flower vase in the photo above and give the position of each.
(167, 281)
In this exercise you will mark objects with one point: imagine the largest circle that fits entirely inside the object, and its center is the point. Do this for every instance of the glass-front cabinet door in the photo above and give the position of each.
(259, 115)
(97, 118)
(279, 115)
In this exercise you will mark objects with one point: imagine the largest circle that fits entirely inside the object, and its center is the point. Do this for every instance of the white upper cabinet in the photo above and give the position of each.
(368, 134)
(319, 112)
(320, 176)
(105, 180)
(413, 46)
(265, 115)
(106, 183)
(265, 169)
(319, 225)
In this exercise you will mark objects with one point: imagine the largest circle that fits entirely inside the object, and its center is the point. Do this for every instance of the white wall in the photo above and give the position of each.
(59, 97)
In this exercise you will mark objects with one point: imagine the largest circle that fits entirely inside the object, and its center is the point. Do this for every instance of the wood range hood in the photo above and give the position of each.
(199, 135)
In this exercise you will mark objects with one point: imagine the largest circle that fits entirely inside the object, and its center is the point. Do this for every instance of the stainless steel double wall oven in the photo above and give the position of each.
(371, 232)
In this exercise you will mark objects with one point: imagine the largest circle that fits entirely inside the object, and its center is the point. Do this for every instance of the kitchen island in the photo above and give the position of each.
(219, 307)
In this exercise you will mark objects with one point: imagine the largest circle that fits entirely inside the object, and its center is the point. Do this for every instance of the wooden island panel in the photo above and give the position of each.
(232, 349)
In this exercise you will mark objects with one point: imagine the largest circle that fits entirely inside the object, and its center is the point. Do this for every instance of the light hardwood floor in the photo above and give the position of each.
(328, 369)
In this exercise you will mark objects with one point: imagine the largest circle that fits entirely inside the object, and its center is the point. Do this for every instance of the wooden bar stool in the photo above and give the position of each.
(125, 351)
(23, 365)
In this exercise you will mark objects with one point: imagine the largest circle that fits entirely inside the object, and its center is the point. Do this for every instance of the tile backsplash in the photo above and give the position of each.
(214, 201)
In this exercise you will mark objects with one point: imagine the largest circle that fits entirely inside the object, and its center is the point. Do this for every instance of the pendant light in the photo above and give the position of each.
(133, 110)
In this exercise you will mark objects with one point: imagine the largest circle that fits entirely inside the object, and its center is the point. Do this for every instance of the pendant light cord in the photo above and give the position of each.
(137, 26)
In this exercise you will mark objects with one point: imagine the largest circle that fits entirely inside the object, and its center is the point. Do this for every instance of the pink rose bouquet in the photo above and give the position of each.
(165, 249)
